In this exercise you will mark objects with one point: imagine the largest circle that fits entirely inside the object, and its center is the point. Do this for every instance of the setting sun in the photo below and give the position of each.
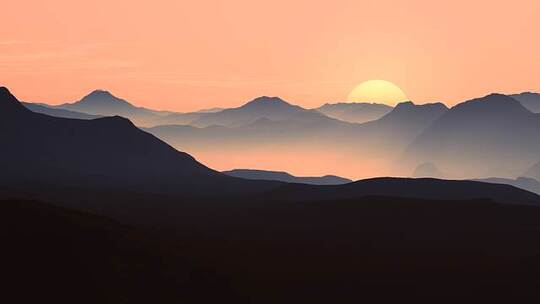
(379, 91)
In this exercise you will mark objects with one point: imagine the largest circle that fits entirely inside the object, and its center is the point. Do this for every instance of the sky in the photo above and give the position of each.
(186, 55)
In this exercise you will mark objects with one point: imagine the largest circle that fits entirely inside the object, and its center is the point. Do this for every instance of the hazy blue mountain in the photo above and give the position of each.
(286, 177)
(43, 109)
(489, 136)
(331, 145)
(210, 110)
(103, 103)
(177, 119)
(105, 153)
(354, 112)
(271, 108)
(529, 100)
(526, 183)
(408, 113)
(403, 124)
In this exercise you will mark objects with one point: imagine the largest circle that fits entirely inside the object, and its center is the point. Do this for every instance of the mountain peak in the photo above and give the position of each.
(266, 101)
(100, 93)
(492, 103)
(405, 104)
(408, 106)
(9, 104)
(102, 97)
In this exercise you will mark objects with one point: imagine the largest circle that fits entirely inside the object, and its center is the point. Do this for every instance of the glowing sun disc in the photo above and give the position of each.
(378, 91)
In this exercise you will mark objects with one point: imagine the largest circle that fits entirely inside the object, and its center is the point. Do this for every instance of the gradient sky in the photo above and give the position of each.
(185, 55)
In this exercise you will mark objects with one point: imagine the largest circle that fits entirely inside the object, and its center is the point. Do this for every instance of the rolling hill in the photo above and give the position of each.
(286, 177)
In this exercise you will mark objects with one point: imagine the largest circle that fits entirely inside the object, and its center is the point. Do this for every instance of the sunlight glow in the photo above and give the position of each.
(378, 91)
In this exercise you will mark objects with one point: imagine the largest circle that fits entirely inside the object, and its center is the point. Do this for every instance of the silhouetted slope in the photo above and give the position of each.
(427, 188)
(286, 177)
(354, 112)
(37, 108)
(409, 113)
(529, 100)
(105, 153)
(400, 126)
(526, 183)
(489, 136)
(271, 108)
(58, 255)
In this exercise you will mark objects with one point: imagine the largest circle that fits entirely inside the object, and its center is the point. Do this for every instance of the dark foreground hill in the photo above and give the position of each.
(40, 153)
(527, 183)
(58, 255)
(373, 249)
(370, 249)
(426, 188)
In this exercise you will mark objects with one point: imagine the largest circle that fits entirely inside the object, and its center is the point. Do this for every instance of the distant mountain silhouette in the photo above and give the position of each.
(271, 108)
(211, 110)
(42, 151)
(529, 100)
(355, 112)
(103, 103)
(404, 123)
(427, 188)
(490, 136)
(58, 112)
(410, 113)
(286, 177)
(305, 134)
(526, 183)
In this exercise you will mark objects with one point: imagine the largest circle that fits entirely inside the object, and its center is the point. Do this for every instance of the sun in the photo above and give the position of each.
(378, 91)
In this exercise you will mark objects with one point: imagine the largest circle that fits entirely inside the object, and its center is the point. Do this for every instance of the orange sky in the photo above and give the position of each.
(185, 55)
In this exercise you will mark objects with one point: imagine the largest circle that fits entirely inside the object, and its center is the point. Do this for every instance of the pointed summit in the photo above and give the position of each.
(266, 102)
(9, 104)
(102, 97)
(100, 93)
(490, 105)
(409, 111)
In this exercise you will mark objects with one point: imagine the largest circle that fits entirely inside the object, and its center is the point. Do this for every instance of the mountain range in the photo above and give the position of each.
(389, 141)
(129, 218)
(42, 151)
